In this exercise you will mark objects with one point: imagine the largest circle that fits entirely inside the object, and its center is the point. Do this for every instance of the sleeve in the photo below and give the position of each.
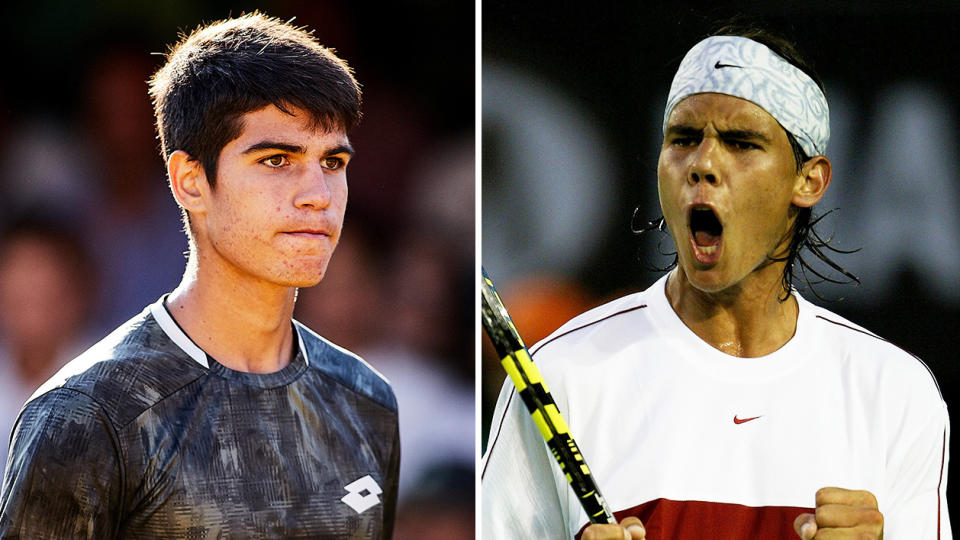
(390, 496)
(518, 487)
(917, 462)
(63, 476)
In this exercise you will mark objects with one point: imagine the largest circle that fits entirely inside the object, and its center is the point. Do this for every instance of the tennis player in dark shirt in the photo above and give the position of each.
(213, 413)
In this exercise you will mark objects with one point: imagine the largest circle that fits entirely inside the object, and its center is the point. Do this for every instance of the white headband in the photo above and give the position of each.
(743, 68)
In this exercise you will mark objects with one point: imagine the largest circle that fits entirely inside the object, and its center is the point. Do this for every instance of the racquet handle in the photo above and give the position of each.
(536, 396)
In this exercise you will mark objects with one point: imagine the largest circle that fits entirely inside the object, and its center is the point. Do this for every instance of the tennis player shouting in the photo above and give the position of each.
(213, 414)
(719, 403)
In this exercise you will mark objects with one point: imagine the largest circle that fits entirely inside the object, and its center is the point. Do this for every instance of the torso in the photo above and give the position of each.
(693, 440)
(207, 452)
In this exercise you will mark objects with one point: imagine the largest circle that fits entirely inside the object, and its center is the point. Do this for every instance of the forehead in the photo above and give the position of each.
(271, 123)
(724, 112)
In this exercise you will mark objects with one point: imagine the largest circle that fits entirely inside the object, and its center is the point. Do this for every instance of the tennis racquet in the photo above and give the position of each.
(536, 396)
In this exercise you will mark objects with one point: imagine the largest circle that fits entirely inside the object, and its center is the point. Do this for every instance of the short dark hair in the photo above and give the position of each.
(226, 69)
(804, 235)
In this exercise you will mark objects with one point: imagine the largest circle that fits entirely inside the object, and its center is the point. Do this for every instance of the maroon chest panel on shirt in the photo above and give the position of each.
(695, 520)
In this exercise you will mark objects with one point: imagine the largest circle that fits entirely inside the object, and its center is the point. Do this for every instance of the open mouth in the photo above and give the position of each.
(707, 232)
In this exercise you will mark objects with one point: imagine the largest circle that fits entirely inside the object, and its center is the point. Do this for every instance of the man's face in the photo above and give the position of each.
(279, 200)
(726, 178)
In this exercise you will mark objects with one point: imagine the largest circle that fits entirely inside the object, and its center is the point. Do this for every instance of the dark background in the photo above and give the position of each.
(890, 76)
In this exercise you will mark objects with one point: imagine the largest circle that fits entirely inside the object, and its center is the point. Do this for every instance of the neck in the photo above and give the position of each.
(746, 320)
(241, 321)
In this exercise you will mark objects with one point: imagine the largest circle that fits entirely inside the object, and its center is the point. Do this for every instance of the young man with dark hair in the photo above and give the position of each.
(719, 403)
(213, 413)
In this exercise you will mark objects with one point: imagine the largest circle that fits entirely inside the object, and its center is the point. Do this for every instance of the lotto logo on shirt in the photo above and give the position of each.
(362, 494)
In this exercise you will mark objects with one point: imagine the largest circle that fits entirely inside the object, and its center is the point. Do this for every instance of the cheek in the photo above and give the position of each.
(338, 201)
(663, 168)
(338, 191)
(235, 220)
(768, 204)
(667, 188)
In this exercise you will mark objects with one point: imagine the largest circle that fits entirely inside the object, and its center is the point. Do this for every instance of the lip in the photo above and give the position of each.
(309, 233)
(706, 255)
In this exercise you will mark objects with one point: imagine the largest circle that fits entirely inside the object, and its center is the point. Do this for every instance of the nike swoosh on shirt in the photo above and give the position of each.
(718, 65)
(743, 420)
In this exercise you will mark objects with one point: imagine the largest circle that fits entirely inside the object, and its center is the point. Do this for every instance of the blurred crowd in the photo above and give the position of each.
(90, 234)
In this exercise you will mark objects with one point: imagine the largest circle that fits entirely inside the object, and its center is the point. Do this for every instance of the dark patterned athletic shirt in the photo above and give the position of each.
(144, 436)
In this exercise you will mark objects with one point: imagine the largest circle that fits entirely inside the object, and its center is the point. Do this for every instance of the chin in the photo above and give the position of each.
(299, 279)
(290, 277)
(708, 285)
(302, 283)
(708, 280)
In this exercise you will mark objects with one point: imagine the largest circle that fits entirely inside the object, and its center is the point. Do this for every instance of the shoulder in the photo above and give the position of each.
(63, 414)
(615, 324)
(127, 372)
(346, 368)
(64, 469)
(863, 348)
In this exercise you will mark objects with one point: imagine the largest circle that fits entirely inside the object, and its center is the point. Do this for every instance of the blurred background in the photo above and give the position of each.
(572, 105)
(89, 233)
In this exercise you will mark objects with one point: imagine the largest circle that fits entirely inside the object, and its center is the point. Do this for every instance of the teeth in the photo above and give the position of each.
(707, 250)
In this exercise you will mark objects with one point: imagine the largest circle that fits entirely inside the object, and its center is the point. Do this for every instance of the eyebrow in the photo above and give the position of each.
(736, 134)
(344, 148)
(684, 131)
(745, 135)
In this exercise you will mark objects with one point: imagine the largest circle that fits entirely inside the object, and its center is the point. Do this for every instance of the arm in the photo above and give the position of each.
(63, 475)
(918, 471)
(518, 488)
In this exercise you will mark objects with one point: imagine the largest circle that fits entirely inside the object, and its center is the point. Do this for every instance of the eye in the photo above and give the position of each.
(684, 141)
(743, 145)
(333, 163)
(275, 162)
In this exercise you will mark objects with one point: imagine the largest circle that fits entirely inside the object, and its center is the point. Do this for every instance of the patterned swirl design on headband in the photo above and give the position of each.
(744, 68)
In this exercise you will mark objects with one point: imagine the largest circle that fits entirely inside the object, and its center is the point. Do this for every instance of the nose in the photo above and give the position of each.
(704, 162)
(314, 191)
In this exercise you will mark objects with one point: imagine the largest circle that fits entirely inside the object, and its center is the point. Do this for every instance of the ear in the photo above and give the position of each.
(188, 181)
(812, 182)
